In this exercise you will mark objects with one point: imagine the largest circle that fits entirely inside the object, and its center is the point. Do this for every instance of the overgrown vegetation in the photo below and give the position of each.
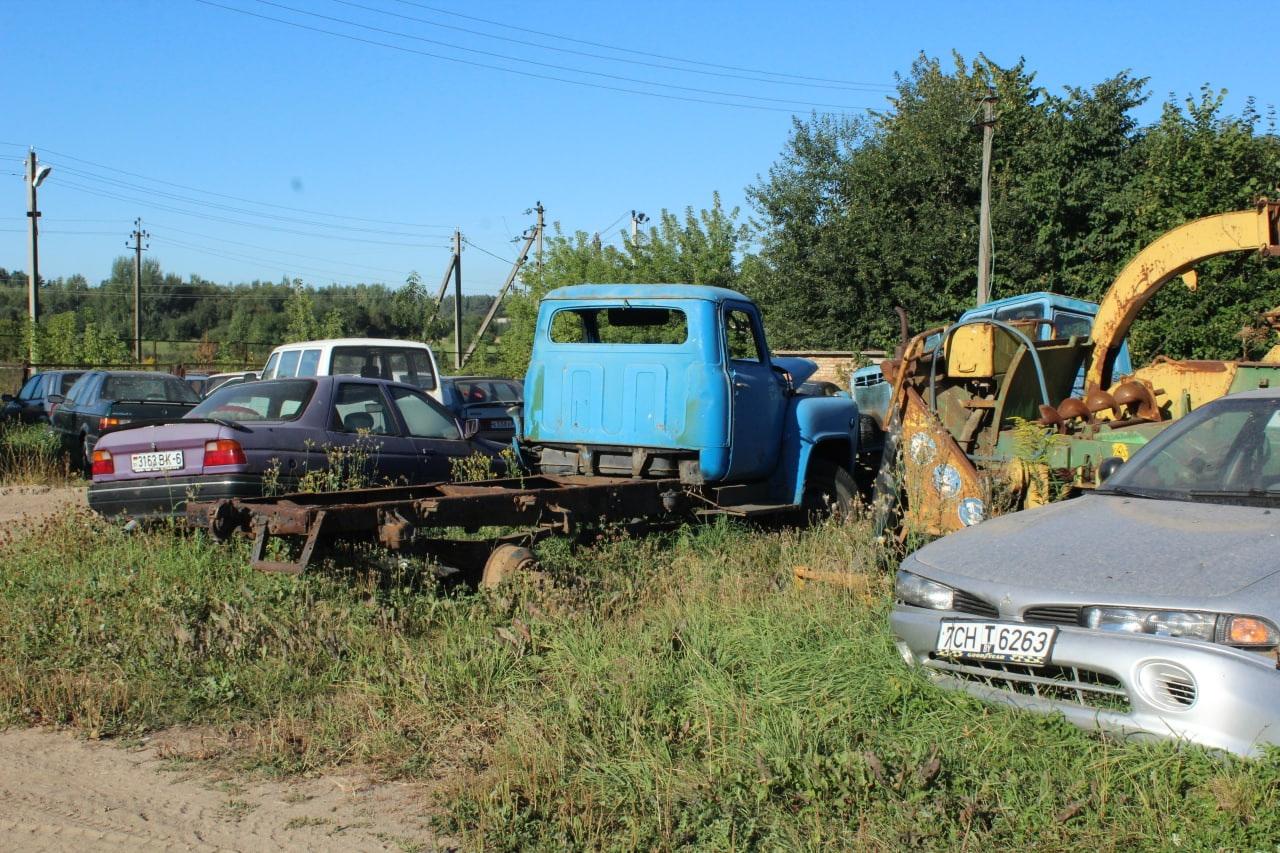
(30, 456)
(669, 692)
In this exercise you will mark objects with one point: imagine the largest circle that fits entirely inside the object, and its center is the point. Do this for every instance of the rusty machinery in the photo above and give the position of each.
(982, 412)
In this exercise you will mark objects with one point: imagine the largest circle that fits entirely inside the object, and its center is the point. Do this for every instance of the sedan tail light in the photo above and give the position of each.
(224, 451)
(102, 463)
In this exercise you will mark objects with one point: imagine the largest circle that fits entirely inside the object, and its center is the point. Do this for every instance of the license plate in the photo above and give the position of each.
(163, 460)
(501, 423)
(1005, 642)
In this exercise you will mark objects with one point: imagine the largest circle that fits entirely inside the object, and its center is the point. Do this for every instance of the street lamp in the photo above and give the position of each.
(36, 173)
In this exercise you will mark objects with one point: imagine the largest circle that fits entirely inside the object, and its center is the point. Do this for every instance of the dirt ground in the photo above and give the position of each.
(29, 504)
(61, 793)
(58, 792)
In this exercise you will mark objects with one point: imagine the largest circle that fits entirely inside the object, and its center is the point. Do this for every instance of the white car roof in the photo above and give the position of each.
(384, 342)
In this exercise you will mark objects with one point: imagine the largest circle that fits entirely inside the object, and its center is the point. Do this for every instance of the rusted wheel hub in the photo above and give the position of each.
(504, 562)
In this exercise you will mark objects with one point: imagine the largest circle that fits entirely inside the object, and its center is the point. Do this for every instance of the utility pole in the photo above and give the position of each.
(457, 299)
(137, 236)
(540, 211)
(35, 176)
(637, 219)
(530, 235)
(984, 217)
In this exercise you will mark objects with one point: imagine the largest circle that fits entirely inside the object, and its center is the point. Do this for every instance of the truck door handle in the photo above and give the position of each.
(740, 384)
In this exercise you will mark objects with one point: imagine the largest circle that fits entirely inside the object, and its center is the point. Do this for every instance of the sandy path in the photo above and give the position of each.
(30, 504)
(61, 793)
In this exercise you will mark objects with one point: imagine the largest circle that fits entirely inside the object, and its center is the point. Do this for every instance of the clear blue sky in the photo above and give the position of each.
(279, 117)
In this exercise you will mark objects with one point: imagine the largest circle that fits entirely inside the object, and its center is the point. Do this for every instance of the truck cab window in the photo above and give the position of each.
(741, 336)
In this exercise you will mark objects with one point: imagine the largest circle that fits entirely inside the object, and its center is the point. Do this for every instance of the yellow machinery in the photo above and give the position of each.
(982, 418)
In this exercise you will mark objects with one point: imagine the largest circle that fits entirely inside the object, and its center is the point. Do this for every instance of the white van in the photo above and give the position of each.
(409, 362)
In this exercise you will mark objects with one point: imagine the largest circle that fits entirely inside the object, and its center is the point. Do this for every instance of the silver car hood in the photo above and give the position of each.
(1123, 546)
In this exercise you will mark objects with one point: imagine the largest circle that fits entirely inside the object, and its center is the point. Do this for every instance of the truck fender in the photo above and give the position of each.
(817, 430)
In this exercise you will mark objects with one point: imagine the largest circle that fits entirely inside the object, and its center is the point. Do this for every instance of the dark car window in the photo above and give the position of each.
(81, 387)
(29, 390)
(1066, 325)
(288, 364)
(424, 417)
(283, 400)
(65, 382)
(410, 365)
(309, 365)
(741, 333)
(619, 325)
(358, 407)
(158, 387)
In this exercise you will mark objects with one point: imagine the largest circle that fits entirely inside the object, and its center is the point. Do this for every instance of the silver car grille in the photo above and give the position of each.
(964, 602)
(1071, 684)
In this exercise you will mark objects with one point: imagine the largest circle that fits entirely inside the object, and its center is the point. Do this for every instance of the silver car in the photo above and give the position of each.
(1147, 608)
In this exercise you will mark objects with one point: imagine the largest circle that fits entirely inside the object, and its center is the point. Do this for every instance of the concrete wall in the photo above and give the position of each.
(836, 365)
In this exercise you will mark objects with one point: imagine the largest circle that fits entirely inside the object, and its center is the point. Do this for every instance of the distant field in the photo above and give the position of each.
(671, 692)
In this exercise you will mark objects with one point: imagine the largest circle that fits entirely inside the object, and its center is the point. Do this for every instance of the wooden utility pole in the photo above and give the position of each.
(637, 219)
(137, 236)
(984, 217)
(529, 237)
(457, 299)
(35, 175)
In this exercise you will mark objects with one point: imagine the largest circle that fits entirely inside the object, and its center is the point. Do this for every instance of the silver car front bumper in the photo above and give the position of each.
(1121, 684)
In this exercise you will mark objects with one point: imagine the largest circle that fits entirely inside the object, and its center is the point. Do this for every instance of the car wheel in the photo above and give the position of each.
(86, 456)
(828, 491)
(505, 562)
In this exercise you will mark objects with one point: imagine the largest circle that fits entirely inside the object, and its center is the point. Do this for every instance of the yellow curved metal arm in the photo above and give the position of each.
(1171, 255)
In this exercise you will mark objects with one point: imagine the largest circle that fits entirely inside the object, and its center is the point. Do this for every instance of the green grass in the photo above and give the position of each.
(671, 692)
(30, 456)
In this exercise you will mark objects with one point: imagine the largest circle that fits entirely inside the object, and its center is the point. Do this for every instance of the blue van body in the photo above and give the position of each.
(674, 379)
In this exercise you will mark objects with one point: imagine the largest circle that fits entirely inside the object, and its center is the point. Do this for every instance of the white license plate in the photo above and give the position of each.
(1007, 642)
(163, 460)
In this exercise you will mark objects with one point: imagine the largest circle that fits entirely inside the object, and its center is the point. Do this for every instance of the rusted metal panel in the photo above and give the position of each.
(944, 491)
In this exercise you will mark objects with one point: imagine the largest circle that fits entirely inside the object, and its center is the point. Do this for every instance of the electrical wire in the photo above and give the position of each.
(237, 198)
(257, 225)
(167, 227)
(530, 74)
(243, 258)
(850, 87)
(631, 51)
(553, 66)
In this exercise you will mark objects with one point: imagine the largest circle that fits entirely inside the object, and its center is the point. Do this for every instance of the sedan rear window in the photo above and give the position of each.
(158, 387)
(283, 400)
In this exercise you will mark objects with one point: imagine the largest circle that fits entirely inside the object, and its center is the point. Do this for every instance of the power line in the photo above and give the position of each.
(850, 87)
(531, 74)
(164, 227)
(211, 217)
(553, 66)
(634, 52)
(233, 256)
(236, 198)
(229, 208)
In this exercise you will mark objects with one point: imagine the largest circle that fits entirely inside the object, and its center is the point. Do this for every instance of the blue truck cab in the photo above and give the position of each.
(677, 380)
(1063, 316)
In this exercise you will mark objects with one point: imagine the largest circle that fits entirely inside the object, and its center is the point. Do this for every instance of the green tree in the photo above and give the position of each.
(698, 248)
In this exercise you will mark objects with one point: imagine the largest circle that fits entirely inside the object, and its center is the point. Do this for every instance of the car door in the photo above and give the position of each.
(366, 445)
(758, 399)
(28, 405)
(433, 431)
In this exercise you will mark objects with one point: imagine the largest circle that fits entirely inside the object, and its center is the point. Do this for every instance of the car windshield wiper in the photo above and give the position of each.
(1234, 494)
(1131, 493)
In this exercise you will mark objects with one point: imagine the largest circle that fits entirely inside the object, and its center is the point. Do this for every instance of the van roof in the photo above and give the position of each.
(382, 342)
(646, 291)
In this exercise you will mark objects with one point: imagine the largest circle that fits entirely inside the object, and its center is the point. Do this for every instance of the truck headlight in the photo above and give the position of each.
(922, 592)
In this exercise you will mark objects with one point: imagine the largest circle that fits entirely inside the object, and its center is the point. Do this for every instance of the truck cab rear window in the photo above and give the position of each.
(619, 325)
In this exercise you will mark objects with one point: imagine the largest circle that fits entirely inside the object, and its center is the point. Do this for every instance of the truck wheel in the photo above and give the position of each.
(829, 490)
(504, 562)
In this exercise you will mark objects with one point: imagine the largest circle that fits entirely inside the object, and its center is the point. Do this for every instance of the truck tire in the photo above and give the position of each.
(828, 490)
(504, 562)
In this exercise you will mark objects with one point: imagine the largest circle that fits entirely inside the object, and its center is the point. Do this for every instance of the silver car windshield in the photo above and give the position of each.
(1228, 452)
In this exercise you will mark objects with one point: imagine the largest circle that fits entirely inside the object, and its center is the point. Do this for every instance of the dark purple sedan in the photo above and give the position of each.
(376, 432)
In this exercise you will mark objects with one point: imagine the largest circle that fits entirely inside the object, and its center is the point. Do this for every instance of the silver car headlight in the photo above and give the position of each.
(912, 589)
(1161, 623)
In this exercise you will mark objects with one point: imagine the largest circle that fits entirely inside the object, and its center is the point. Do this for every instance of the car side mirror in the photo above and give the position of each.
(470, 428)
(1107, 467)
(56, 399)
(6, 398)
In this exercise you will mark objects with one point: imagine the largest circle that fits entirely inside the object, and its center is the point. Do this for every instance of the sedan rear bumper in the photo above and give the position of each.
(168, 496)
(1122, 684)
